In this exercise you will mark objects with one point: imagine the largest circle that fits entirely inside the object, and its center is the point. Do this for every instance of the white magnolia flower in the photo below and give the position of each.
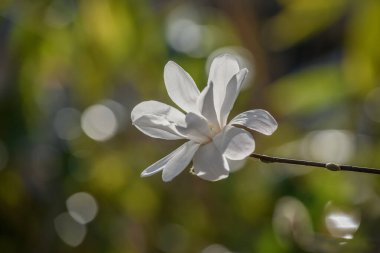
(211, 141)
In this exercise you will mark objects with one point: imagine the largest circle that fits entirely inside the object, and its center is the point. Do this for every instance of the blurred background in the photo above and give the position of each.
(70, 160)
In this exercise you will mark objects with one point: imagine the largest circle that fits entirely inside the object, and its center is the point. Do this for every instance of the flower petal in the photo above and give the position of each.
(152, 107)
(232, 92)
(258, 120)
(157, 127)
(234, 143)
(206, 106)
(236, 165)
(179, 161)
(181, 87)
(157, 120)
(160, 164)
(196, 128)
(209, 163)
(222, 69)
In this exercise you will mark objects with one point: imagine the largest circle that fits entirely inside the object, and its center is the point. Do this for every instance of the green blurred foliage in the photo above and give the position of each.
(316, 68)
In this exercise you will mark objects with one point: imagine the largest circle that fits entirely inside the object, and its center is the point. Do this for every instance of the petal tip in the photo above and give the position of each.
(225, 57)
(211, 179)
(144, 174)
(221, 177)
(165, 178)
(170, 63)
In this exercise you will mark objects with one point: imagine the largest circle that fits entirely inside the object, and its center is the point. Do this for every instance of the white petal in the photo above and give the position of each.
(181, 87)
(232, 92)
(179, 161)
(159, 109)
(223, 68)
(206, 106)
(209, 163)
(157, 127)
(258, 120)
(160, 164)
(157, 120)
(234, 143)
(236, 165)
(196, 128)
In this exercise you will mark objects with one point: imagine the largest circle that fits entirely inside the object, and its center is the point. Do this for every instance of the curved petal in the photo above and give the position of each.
(196, 128)
(222, 69)
(209, 163)
(157, 120)
(160, 164)
(234, 143)
(157, 127)
(236, 165)
(152, 107)
(179, 161)
(232, 92)
(258, 120)
(206, 106)
(181, 87)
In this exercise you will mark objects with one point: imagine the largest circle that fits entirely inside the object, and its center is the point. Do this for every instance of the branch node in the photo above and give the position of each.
(333, 167)
(265, 160)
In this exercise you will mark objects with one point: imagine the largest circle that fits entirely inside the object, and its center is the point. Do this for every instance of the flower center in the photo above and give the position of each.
(214, 130)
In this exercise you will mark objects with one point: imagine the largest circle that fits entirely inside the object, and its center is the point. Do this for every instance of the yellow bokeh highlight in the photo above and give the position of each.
(109, 173)
(140, 201)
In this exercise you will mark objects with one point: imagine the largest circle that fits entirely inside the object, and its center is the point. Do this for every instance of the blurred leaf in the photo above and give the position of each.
(308, 90)
(267, 242)
(362, 61)
(300, 19)
(11, 180)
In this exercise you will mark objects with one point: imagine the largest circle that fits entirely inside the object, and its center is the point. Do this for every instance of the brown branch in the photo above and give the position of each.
(329, 166)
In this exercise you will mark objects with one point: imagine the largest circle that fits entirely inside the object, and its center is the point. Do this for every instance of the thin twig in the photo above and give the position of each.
(329, 166)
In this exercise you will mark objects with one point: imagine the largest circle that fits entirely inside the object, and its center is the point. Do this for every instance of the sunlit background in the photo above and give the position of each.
(70, 160)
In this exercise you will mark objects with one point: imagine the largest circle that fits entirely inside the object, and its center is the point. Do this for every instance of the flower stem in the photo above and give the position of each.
(329, 166)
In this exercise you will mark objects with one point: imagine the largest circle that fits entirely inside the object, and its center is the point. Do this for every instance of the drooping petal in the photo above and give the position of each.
(206, 106)
(181, 87)
(160, 164)
(236, 165)
(209, 163)
(179, 161)
(196, 128)
(232, 92)
(258, 120)
(222, 69)
(157, 120)
(234, 143)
